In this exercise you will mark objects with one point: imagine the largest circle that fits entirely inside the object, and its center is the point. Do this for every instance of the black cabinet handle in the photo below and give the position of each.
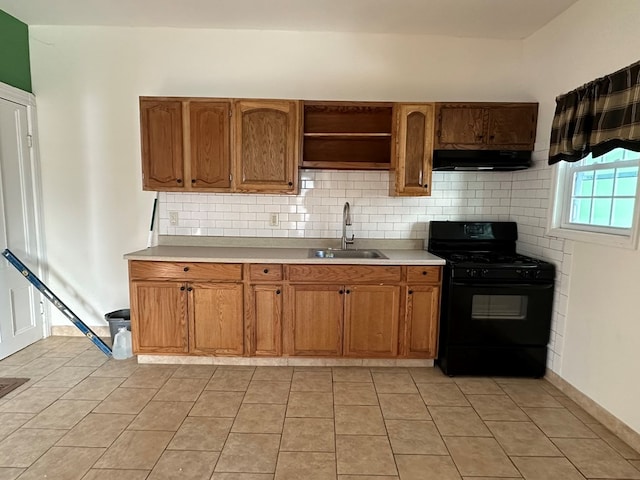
(193, 180)
(340, 292)
(410, 292)
(277, 292)
(424, 272)
(291, 184)
(190, 289)
(426, 185)
(348, 292)
(186, 269)
(266, 270)
(179, 180)
(182, 288)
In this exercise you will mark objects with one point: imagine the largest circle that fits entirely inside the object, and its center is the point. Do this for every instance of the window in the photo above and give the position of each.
(596, 199)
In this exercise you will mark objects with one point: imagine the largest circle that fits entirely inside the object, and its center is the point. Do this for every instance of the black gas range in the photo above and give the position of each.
(496, 304)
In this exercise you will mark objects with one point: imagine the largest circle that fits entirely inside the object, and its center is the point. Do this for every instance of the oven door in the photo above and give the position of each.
(499, 314)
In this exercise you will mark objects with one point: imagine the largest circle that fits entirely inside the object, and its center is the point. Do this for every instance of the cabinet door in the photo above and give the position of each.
(371, 320)
(460, 127)
(414, 149)
(314, 323)
(264, 314)
(512, 126)
(421, 321)
(266, 146)
(209, 134)
(216, 318)
(159, 317)
(161, 139)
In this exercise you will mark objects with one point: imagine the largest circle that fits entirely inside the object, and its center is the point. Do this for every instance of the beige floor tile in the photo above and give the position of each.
(496, 407)
(442, 394)
(578, 411)
(181, 390)
(478, 386)
(10, 473)
(595, 459)
(551, 389)
(126, 400)
(310, 404)
(530, 395)
(364, 455)
(359, 420)
(393, 382)
(185, 465)
(10, 422)
(32, 400)
(242, 476)
(25, 446)
(429, 375)
(426, 467)
(148, 376)
(230, 380)
(88, 358)
(93, 388)
(614, 442)
(522, 439)
(62, 414)
(135, 450)
(481, 457)
(273, 374)
(411, 437)
(635, 463)
(259, 418)
(546, 468)
(109, 474)
(96, 430)
(195, 371)
(201, 433)
(66, 377)
(217, 404)
(63, 463)
(308, 435)
(368, 477)
(167, 416)
(351, 393)
(403, 406)
(267, 392)
(458, 421)
(352, 374)
(249, 453)
(117, 368)
(559, 422)
(306, 465)
(40, 367)
(312, 381)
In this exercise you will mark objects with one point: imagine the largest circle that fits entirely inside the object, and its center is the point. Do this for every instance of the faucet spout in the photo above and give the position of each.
(346, 221)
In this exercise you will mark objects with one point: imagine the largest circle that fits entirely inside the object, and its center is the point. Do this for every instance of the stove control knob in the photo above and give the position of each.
(472, 272)
(525, 273)
(484, 272)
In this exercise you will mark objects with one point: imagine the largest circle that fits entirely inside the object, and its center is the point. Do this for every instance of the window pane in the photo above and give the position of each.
(583, 184)
(622, 212)
(626, 181)
(604, 183)
(580, 210)
(601, 212)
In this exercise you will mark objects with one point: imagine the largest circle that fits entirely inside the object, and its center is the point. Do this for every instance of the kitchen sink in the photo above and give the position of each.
(336, 253)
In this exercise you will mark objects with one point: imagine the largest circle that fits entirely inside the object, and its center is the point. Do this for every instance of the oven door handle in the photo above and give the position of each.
(508, 286)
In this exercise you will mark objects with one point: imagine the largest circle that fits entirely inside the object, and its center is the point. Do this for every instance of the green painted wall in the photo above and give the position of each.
(14, 52)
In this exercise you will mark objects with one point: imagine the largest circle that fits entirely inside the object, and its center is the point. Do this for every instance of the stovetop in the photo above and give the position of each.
(491, 259)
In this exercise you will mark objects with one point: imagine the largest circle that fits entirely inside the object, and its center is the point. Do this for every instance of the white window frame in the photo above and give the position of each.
(560, 205)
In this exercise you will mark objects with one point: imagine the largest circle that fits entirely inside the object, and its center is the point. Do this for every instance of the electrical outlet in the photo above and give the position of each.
(274, 220)
(173, 219)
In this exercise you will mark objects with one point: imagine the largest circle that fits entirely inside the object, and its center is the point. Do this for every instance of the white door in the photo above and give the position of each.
(20, 318)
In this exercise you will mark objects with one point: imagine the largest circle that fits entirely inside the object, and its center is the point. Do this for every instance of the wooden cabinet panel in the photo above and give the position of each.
(421, 321)
(159, 317)
(461, 125)
(424, 274)
(161, 139)
(267, 272)
(264, 314)
(216, 318)
(187, 271)
(340, 274)
(371, 320)
(209, 152)
(515, 125)
(314, 320)
(266, 146)
(413, 150)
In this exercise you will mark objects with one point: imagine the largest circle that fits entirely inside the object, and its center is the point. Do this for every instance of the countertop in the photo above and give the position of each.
(175, 253)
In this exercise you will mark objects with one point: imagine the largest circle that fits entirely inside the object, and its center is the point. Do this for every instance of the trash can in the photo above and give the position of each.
(117, 319)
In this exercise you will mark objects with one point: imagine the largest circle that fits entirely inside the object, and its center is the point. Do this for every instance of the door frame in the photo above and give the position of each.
(27, 99)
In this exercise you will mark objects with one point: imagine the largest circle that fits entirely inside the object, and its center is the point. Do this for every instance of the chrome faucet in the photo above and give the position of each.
(346, 220)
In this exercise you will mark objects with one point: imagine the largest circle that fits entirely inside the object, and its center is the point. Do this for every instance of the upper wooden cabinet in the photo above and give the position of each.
(209, 144)
(486, 126)
(266, 146)
(412, 150)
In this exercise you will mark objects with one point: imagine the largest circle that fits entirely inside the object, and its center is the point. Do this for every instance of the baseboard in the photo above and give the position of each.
(606, 418)
(71, 331)
(285, 361)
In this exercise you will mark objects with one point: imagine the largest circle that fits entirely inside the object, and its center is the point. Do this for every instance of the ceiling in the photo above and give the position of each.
(505, 19)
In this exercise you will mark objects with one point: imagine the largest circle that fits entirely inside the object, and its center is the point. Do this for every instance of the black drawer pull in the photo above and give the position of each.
(340, 292)
(186, 269)
(190, 289)
(182, 288)
(266, 270)
(424, 272)
(348, 292)
(277, 292)
(410, 292)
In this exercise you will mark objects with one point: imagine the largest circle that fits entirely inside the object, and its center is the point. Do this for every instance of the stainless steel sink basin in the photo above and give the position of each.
(335, 253)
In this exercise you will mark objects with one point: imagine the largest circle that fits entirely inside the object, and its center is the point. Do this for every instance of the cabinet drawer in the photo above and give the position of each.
(423, 274)
(343, 274)
(265, 272)
(187, 271)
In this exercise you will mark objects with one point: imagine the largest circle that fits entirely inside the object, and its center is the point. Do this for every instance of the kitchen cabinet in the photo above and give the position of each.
(486, 126)
(266, 146)
(413, 150)
(264, 310)
(422, 312)
(185, 144)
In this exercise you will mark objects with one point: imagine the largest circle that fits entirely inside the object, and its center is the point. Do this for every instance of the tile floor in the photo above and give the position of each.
(83, 417)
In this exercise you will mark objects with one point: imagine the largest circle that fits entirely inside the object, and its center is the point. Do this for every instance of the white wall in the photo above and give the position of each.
(599, 285)
(87, 81)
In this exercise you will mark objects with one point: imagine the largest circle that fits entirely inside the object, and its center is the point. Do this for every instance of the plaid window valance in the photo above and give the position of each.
(598, 117)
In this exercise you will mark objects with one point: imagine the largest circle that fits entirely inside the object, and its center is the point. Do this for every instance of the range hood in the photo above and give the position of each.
(478, 160)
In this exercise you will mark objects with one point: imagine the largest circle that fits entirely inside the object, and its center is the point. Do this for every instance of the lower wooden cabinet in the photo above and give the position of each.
(422, 314)
(264, 311)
